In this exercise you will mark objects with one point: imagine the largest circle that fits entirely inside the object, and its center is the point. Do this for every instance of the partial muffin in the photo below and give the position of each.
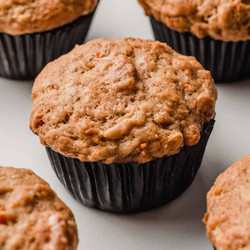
(32, 33)
(31, 215)
(228, 208)
(215, 32)
(125, 103)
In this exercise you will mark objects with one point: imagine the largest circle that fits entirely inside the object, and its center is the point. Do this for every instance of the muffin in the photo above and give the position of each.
(215, 32)
(125, 121)
(34, 32)
(31, 214)
(228, 208)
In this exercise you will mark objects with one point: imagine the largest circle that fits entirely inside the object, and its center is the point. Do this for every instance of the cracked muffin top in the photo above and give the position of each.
(227, 20)
(228, 208)
(121, 100)
(28, 16)
(32, 217)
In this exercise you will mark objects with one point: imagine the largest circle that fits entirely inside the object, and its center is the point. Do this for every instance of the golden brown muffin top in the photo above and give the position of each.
(28, 16)
(228, 208)
(227, 20)
(121, 100)
(32, 217)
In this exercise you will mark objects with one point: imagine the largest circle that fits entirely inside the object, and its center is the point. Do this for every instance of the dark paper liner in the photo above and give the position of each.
(227, 61)
(129, 187)
(24, 56)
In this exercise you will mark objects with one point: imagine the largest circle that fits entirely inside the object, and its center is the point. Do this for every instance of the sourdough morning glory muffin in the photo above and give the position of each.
(34, 32)
(125, 121)
(215, 32)
(31, 214)
(228, 208)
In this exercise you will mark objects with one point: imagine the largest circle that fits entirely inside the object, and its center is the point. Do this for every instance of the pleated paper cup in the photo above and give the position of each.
(227, 61)
(130, 187)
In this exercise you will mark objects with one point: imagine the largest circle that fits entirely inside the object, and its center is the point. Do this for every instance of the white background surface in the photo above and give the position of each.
(174, 226)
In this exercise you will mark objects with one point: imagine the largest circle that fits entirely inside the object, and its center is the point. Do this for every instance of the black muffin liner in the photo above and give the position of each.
(24, 56)
(130, 187)
(227, 61)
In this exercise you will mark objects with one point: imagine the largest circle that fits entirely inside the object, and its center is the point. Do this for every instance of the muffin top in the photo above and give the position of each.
(228, 208)
(28, 16)
(227, 20)
(121, 100)
(31, 214)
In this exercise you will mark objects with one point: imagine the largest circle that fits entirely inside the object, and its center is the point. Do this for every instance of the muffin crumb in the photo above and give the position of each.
(227, 20)
(137, 101)
(31, 214)
(228, 208)
(38, 15)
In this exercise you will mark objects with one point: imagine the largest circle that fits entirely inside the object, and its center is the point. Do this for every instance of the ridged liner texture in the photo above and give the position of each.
(227, 61)
(22, 57)
(130, 187)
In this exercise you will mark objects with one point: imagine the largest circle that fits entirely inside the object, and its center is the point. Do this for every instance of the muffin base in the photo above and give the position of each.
(130, 187)
(22, 57)
(227, 61)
